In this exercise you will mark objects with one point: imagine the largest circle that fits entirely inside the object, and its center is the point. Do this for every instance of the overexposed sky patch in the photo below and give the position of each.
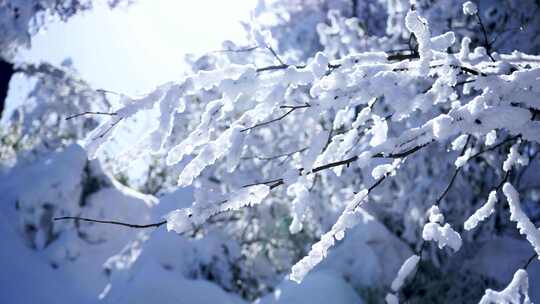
(131, 50)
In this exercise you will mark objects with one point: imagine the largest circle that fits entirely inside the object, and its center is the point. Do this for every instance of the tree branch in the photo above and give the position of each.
(91, 113)
(158, 224)
(275, 55)
(291, 109)
(487, 44)
(109, 128)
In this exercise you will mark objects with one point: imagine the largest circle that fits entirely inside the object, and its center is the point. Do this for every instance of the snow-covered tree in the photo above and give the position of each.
(339, 116)
(20, 19)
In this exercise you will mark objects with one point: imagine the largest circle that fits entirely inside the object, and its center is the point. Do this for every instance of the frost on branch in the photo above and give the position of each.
(482, 213)
(210, 153)
(517, 292)
(491, 137)
(391, 299)
(469, 8)
(300, 203)
(388, 169)
(443, 235)
(426, 44)
(348, 219)
(404, 272)
(105, 131)
(514, 158)
(182, 220)
(459, 142)
(524, 224)
(406, 269)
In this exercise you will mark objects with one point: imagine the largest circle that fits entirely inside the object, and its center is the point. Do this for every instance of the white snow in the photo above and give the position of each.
(391, 299)
(348, 219)
(319, 287)
(443, 235)
(405, 271)
(482, 213)
(517, 292)
(514, 158)
(469, 8)
(491, 137)
(524, 224)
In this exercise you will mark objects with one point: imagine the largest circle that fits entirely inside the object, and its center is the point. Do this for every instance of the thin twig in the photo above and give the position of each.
(456, 172)
(273, 67)
(103, 91)
(91, 113)
(291, 109)
(399, 56)
(529, 261)
(494, 146)
(276, 156)
(401, 154)
(487, 44)
(247, 49)
(275, 55)
(158, 224)
(108, 129)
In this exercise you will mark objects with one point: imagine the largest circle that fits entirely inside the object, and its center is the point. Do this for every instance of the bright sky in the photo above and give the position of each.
(132, 50)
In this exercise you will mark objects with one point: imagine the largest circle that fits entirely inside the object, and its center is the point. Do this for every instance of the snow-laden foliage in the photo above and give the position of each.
(343, 27)
(406, 269)
(55, 92)
(513, 293)
(482, 213)
(342, 123)
(182, 220)
(469, 8)
(523, 222)
(443, 235)
(337, 118)
(319, 250)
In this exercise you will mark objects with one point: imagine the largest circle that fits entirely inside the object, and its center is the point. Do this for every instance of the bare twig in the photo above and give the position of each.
(247, 49)
(103, 91)
(276, 156)
(109, 128)
(291, 109)
(401, 154)
(275, 55)
(274, 67)
(512, 138)
(456, 172)
(487, 44)
(91, 113)
(467, 70)
(529, 261)
(157, 224)
(399, 56)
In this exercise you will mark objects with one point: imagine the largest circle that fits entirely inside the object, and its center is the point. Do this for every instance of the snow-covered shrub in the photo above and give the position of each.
(56, 94)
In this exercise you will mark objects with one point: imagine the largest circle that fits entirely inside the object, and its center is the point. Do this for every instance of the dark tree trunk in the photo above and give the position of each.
(354, 8)
(6, 71)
